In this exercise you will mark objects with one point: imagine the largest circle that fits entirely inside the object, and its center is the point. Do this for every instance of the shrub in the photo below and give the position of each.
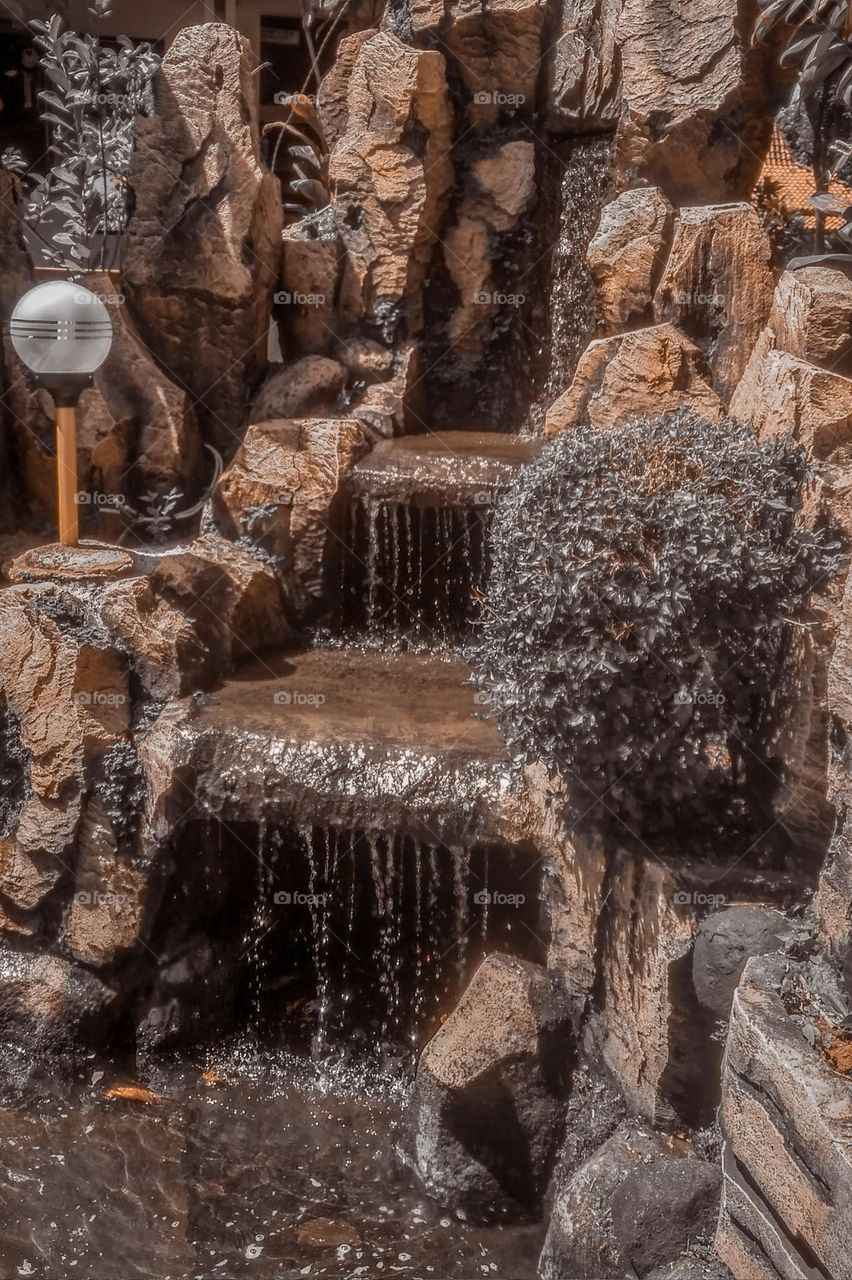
(635, 617)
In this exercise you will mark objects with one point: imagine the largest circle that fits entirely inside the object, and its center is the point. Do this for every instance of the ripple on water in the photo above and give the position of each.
(248, 1163)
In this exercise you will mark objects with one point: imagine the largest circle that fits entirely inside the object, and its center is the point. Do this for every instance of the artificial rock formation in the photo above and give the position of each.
(391, 174)
(786, 1209)
(280, 497)
(627, 255)
(642, 373)
(203, 247)
(697, 100)
(717, 286)
(484, 1117)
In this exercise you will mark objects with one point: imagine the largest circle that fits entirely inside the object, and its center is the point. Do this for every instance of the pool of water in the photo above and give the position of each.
(239, 1163)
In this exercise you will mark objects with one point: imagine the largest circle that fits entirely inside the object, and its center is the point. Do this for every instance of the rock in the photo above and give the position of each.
(717, 286)
(583, 69)
(166, 652)
(496, 50)
(698, 101)
(646, 1024)
(724, 942)
(580, 1239)
(781, 396)
(833, 901)
(387, 408)
(281, 493)
(787, 1190)
(203, 247)
(391, 175)
(231, 598)
(311, 267)
(367, 361)
(663, 1206)
(138, 430)
(310, 387)
(485, 1116)
(634, 375)
(501, 190)
(811, 317)
(191, 998)
(627, 255)
(66, 694)
(333, 95)
(49, 1005)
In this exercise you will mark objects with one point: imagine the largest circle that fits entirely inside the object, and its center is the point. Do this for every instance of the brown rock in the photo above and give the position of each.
(333, 95)
(698, 100)
(639, 374)
(580, 1240)
(165, 649)
(386, 407)
(781, 395)
(310, 269)
(66, 692)
(497, 52)
(49, 1005)
(787, 1192)
(811, 317)
(584, 71)
(280, 491)
(232, 599)
(391, 174)
(646, 937)
(307, 388)
(136, 426)
(627, 255)
(501, 189)
(203, 247)
(484, 1119)
(367, 361)
(717, 286)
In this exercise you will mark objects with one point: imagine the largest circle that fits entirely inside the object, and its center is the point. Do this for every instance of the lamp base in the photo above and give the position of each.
(56, 563)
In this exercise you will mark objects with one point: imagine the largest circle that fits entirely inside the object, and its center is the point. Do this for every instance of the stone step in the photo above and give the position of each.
(362, 740)
(446, 468)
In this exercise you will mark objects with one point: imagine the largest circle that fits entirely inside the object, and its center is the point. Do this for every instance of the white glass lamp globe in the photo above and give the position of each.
(62, 332)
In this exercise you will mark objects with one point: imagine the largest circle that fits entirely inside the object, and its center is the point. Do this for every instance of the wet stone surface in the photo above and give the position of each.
(240, 1165)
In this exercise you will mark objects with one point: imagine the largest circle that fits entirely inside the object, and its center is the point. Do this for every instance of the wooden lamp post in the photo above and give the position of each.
(63, 333)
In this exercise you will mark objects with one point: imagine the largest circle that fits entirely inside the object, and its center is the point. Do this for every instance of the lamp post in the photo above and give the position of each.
(63, 333)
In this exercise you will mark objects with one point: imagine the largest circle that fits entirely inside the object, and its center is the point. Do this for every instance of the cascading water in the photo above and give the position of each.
(413, 571)
(383, 930)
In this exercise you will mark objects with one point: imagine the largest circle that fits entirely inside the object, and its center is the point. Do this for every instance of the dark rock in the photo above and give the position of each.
(724, 943)
(486, 1113)
(580, 1239)
(661, 1207)
(50, 1006)
(192, 997)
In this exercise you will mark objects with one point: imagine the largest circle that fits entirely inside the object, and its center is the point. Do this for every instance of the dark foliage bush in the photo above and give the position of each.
(635, 619)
